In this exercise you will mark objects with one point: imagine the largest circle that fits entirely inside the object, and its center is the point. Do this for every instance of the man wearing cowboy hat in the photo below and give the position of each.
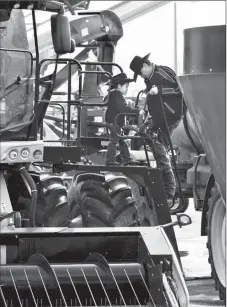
(117, 105)
(158, 79)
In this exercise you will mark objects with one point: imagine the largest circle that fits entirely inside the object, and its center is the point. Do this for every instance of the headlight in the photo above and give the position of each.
(24, 153)
(13, 154)
(37, 154)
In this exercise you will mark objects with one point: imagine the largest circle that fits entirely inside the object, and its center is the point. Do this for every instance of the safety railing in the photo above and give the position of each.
(79, 102)
(141, 135)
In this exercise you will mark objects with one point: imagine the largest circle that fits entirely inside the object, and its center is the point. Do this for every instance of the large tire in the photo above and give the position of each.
(109, 201)
(216, 240)
(52, 209)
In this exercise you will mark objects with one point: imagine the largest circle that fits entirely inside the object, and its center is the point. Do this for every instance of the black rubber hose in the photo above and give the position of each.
(137, 98)
(195, 176)
(185, 122)
(34, 193)
(171, 148)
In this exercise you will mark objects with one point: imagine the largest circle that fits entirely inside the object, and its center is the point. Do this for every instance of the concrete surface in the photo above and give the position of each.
(195, 262)
(190, 242)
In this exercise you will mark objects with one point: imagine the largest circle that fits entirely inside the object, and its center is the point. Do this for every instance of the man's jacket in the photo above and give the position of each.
(117, 105)
(165, 78)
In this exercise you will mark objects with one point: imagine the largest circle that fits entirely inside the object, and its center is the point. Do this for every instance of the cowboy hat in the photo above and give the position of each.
(119, 78)
(137, 63)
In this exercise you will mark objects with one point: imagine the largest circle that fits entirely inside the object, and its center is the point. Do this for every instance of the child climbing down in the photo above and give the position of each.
(117, 105)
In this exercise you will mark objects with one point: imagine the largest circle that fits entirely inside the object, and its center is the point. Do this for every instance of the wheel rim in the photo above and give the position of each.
(218, 239)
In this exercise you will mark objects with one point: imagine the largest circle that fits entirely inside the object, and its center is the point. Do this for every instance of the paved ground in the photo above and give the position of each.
(195, 262)
(202, 293)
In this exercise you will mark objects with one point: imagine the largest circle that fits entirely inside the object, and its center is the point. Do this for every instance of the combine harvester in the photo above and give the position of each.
(59, 253)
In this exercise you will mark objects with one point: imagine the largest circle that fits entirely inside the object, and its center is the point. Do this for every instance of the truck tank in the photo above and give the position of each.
(180, 136)
(204, 88)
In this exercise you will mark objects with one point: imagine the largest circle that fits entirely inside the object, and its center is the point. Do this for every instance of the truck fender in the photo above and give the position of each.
(209, 185)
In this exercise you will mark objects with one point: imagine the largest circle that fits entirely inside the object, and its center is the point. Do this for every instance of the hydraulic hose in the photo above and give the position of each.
(195, 176)
(171, 147)
(137, 98)
(34, 193)
(185, 122)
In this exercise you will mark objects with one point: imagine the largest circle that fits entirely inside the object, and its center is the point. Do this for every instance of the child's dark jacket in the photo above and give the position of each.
(117, 105)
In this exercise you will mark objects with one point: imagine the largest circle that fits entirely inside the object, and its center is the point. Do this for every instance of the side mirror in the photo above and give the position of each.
(183, 219)
(61, 34)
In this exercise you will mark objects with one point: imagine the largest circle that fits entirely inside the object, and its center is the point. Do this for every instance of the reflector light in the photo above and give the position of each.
(24, 153)
(37, 154)
(13, 154)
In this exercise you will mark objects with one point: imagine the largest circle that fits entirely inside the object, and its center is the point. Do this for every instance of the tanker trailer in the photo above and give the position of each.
(200, 137)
